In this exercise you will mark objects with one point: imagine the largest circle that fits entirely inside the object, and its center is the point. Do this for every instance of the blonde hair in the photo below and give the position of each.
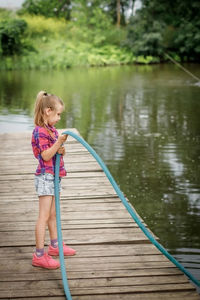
(43, 101)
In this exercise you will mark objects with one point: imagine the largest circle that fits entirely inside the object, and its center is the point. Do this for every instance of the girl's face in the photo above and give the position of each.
(53, 116)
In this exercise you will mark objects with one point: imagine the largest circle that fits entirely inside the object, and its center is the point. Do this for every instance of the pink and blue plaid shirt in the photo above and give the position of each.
(42, 140)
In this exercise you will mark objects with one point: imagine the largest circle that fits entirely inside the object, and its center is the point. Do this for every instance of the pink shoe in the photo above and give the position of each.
(66, 250)
(45, 261)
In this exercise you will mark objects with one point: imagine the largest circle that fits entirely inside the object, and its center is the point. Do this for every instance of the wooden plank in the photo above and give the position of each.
(76, 203)
(21, 266)
(67, 181)
(30, 169)
(89, 193)
(28, 275)
(25, 238)
(108, 282)
(70, 207)
(104, 260)
(25, 267)
(91, 250)
(179, 295)
(31, 215)
(33, 163)
(34, 197)
(65, 186)
(70, 175)
(188, 295)
(47, 288)
(134, 231)
(21, 226)
(69, 160)
(88, 251)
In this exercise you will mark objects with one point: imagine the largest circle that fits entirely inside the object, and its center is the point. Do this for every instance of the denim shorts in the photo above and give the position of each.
(44, 184)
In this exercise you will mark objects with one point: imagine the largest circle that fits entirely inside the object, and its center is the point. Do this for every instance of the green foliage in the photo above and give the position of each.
(145, 38)
(12, 36)
(5, 13)
(93, 25)
(62, 44)
(187, 40)
(99, 20)
(95, 36)
(166, 26)
(111, 8)
(47, 8)
(70, 55)
(82, 9)
(39, 26)
(91, 39)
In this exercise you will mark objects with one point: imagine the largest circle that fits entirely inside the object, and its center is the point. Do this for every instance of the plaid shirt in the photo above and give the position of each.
(42, 140)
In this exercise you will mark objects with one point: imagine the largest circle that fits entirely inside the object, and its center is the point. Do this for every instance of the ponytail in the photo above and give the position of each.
(43, 101)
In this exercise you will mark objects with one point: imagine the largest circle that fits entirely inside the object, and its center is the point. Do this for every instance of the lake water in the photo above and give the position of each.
(144, 121)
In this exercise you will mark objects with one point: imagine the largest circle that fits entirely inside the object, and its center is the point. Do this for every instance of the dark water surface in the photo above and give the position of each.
(144, 121)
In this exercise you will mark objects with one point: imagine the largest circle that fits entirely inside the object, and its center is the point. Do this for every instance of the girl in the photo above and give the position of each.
(46, 143)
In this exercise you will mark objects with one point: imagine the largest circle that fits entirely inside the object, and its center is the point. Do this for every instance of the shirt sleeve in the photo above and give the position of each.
(43, 139)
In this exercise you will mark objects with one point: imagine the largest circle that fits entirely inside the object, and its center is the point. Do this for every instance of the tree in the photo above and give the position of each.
(161, 26)
(12, 36)
(145, 36)
(117, 10)
(118, 13)
(48, 8)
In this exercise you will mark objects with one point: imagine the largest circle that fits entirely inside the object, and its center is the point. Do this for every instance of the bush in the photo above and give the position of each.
(187, 40)
(11, 36)
(145, 37)
(41, 26)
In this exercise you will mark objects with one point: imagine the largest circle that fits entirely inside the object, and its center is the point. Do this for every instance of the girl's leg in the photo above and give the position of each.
(53, 249)
(52, 221)
(45, 203)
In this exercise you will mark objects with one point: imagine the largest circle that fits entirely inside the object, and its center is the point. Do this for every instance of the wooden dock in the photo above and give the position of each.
(114, 259)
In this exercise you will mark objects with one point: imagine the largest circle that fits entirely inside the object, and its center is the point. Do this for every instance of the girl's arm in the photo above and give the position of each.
(50, 152)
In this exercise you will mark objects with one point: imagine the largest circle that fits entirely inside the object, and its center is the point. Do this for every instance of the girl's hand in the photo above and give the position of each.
(57, 147)
(61, 150)
(62, 138)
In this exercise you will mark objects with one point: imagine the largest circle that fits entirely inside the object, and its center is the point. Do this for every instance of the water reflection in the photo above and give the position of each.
(15, 122)
(144, 122)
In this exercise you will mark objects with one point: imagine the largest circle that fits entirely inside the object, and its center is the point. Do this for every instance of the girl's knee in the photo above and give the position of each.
(52, 216)
(44, 218)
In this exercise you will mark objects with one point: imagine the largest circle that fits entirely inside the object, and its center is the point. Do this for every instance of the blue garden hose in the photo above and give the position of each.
(59, 231)
(126, 204)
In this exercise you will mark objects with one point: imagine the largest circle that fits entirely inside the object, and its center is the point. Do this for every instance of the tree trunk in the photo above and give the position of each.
(118, 13)
(132, 8)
